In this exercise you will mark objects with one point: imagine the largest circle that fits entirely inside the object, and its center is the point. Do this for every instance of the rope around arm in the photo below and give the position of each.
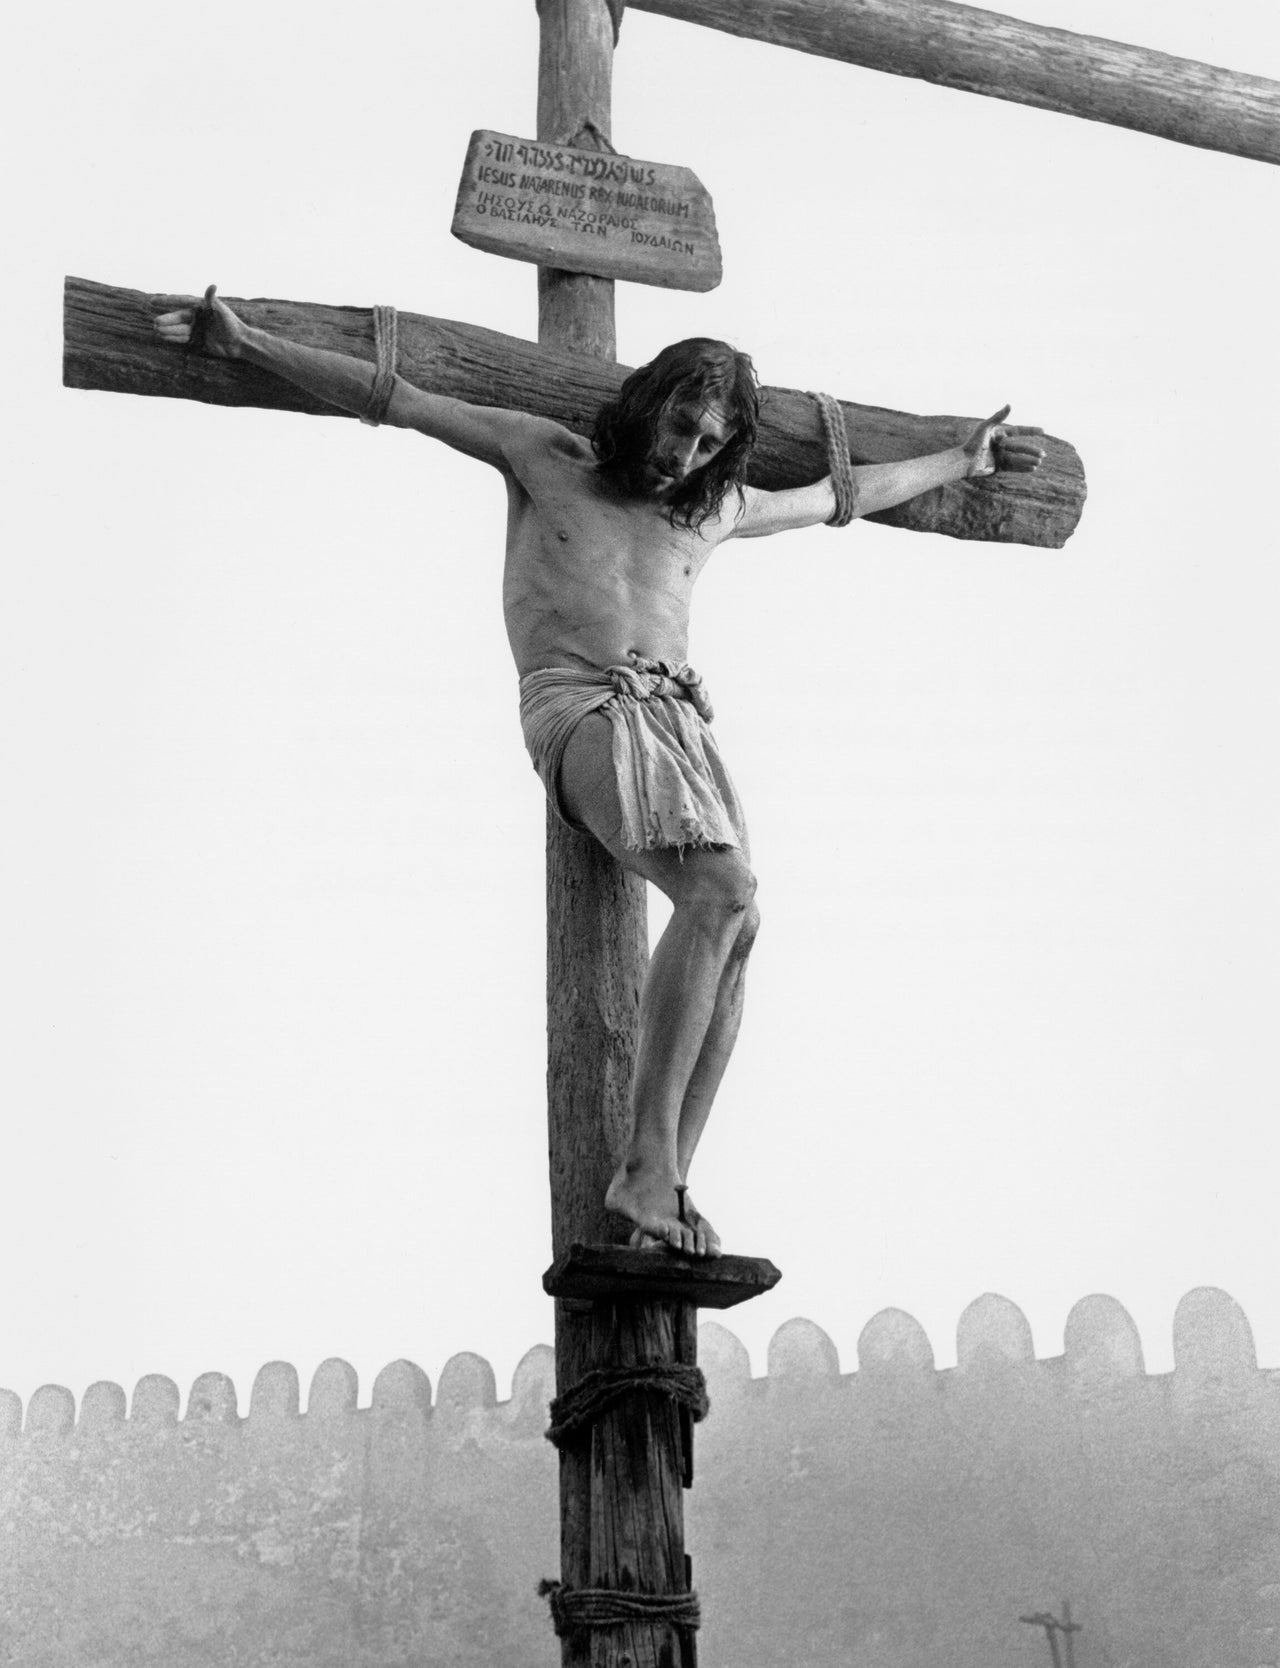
(846, 488)
(384, 383)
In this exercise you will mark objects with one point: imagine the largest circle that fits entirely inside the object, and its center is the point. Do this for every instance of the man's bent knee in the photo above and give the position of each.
(748, 927)
(720, 881)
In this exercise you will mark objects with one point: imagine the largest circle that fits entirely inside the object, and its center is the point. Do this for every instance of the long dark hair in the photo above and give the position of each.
(697, 370)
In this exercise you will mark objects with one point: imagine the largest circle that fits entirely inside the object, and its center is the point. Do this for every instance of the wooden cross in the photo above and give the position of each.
(1052, 1628)
(621, 1520)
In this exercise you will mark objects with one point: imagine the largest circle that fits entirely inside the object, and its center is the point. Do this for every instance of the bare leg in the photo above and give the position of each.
(679, 1008)
(717, 1046)
(690, 1005)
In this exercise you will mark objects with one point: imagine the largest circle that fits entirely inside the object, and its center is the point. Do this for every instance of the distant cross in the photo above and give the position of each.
(1052, 1628)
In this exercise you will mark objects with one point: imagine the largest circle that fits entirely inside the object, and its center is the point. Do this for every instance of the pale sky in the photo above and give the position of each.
(272, 860)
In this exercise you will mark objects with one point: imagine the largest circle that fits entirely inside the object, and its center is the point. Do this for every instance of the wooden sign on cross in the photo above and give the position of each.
(587, 211)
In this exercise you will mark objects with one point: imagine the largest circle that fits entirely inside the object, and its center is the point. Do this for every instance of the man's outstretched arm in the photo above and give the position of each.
(483, 432)
(993, 446)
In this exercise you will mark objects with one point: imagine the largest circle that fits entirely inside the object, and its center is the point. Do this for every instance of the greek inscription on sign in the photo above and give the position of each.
(587, 211)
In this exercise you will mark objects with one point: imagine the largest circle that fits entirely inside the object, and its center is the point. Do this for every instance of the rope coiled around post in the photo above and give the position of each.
(583, 1403)
(385, 344)
(846, 488)
(576, 1608)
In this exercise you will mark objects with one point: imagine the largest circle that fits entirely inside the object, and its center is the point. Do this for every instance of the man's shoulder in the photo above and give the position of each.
(543, 437)
(544, 457)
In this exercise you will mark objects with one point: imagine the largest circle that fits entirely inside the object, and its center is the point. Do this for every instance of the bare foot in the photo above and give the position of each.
(649, 1202)
(707, 1239)
(650, 1199)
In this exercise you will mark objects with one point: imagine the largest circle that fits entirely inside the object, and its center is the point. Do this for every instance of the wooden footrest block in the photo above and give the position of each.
(616, 1271)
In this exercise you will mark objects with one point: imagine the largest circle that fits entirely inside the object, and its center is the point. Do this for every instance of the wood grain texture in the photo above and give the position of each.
(596, 947)
(597, 934)
(978, 51)
(110, 344)
(597, 922)
(637, 1483)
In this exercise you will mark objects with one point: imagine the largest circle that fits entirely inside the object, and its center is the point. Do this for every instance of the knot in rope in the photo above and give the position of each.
(846, 488)
(583, 1403)
(575, 1608)
(384, 382)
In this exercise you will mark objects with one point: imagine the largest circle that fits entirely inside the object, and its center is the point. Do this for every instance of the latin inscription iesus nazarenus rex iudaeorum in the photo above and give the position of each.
(587, 211)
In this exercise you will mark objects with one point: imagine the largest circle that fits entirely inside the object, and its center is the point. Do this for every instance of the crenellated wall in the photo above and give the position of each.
(895, 1515)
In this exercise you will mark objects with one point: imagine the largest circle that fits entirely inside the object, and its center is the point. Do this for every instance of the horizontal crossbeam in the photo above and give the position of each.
(110, 344)
(978, 51)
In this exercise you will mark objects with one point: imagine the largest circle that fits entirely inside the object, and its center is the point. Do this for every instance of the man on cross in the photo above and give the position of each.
(605, 540)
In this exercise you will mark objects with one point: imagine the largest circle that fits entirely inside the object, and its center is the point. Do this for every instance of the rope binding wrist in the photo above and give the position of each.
(842, 480)
(386, 352)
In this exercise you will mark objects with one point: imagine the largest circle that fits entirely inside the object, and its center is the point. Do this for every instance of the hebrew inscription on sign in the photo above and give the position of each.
(587, 211)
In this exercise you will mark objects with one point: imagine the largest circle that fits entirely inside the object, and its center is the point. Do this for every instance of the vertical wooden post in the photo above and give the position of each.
(621, 1510)
(596, 920)
(1069, 1631)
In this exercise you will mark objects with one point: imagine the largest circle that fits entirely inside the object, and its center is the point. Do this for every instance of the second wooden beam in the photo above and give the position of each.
(978, 51)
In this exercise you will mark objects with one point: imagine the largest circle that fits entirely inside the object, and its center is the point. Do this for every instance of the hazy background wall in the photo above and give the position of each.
(889, 1516)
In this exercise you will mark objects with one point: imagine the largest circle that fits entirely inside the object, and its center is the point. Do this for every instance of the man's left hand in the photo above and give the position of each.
(997, 445)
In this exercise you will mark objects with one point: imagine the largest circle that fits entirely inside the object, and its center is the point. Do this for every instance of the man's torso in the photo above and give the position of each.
(592, 578)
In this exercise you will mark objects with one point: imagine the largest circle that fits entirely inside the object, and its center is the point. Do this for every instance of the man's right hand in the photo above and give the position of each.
(207, 326)
(997, 445)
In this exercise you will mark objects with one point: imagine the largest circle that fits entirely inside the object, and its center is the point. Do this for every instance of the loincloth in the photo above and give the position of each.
(673, 786)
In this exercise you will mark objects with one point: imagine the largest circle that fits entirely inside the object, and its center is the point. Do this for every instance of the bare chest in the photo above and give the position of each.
(573, 533)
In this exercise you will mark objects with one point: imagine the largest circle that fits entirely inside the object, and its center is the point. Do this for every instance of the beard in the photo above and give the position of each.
(628, 470)
(636, 475)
